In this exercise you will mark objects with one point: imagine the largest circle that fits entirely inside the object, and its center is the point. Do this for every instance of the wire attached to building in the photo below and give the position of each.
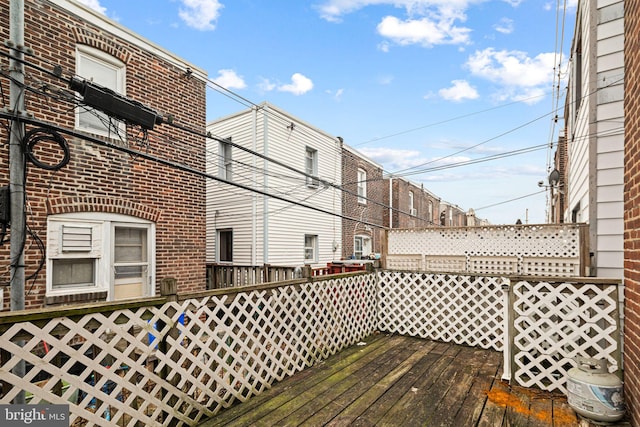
(38, 135)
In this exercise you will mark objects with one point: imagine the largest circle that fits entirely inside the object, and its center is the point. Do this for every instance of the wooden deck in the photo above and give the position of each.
(402, 381)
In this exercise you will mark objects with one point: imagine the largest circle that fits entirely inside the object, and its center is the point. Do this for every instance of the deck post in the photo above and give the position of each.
(507, 318)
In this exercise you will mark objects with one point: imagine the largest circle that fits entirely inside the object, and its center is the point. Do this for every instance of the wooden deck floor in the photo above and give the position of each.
(401, 381)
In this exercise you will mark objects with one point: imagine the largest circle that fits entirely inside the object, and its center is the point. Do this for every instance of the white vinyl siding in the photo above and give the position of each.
(596, 133)
(256, 219)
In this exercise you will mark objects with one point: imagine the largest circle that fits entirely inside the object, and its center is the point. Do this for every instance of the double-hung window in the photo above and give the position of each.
(311, 166)
(310, 248)
(104, 70)
(225, 170)
(412, 210)
(362, 186)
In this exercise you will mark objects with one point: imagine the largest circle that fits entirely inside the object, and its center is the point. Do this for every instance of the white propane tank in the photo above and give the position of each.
(593, 392)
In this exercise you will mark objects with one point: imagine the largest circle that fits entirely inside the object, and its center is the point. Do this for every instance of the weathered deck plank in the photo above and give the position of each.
(401, 381)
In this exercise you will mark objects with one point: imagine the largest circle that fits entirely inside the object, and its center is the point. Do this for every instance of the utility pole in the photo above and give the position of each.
(16, 168)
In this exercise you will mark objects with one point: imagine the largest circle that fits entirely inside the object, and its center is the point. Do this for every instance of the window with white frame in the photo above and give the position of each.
(310, 248)
(225, 170)
(430, 211)
(361, 247)
(362, 186)
(88, 252)
(311, 166)
(107, 71)
(412, 209)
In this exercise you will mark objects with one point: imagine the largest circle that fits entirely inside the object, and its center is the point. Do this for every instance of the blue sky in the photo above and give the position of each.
(423, 87)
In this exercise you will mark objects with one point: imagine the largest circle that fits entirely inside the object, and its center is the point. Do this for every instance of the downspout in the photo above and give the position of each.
(390, 202)
(265, 199)
(254, 197)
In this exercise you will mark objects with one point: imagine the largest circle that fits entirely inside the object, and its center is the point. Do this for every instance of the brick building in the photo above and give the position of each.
(364, 199)
(412, 205)
(632, 209)
(112, 224)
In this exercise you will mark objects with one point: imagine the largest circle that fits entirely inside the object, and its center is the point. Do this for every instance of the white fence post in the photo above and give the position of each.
(507, 318)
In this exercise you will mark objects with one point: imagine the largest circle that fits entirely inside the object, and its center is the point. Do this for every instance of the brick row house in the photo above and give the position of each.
(112, 224)
(363, 199)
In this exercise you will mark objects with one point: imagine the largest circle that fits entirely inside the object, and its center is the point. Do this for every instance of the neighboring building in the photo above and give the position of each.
(112, 225)
(245, 227)
(412, 206)
(631, 211)
(452, 215)
(594, 121)
(363, 198)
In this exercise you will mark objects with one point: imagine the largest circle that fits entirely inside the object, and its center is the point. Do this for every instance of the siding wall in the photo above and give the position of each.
(256, 218)
(596, 137)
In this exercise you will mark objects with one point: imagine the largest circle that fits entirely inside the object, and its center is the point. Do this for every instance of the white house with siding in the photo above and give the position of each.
(595, 131)
(276, 199)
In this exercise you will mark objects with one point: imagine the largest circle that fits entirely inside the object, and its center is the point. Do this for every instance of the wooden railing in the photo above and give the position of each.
(178, 359)
(229, 275)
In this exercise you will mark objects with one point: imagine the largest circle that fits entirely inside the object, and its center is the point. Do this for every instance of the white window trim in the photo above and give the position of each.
(315, 258)
(109, 61)
(313, 170)
(103, 224)
(362, 186)
(362, 237)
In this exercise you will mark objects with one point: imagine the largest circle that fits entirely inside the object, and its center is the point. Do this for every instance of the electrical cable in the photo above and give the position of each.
(38, 135)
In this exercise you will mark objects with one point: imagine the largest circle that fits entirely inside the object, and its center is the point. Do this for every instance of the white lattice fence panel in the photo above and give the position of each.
(493, 265)
(182, 362)
(557, 267)
(555, 322)
(404, 262)
(445, 263)
(554, 247)
(461, 309)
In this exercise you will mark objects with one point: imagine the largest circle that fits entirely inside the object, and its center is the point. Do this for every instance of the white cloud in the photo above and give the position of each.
(228, 79)
(95, 5)
(505, 26)
(299, 85)
(266, 85)
(518, 75)
(459, 91)
(425, 31)
(200, 14)
(427, 22)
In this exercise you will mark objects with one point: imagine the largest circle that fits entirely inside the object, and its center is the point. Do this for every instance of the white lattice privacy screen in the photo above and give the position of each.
(553, 322)
(451, 308)
(213, 351)
(533, 250)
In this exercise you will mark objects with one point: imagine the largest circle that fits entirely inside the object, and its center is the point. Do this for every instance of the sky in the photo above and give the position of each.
(462, 96)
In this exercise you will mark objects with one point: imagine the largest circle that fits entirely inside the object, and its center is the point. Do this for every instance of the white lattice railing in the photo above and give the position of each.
(550, 250)
(177, 361)
(452, 308)
(552, 322)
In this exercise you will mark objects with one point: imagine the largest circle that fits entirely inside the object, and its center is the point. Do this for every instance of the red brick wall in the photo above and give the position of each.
(373, 212)
(103, 179)
(421, 199)
(632, 210)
